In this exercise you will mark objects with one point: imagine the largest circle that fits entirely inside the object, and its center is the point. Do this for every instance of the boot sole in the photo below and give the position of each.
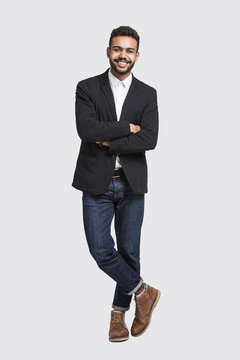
(119, 339)
(150, 317)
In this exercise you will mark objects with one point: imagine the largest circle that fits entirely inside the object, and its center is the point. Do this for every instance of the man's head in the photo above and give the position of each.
(123, 50)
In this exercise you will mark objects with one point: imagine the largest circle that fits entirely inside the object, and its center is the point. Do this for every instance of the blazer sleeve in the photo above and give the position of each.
(146, 138)
(89, 128)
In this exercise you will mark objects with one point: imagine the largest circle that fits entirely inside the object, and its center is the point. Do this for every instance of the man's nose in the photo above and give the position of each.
(123, 53)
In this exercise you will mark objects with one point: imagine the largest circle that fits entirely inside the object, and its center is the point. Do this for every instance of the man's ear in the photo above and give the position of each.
(108, 52)
(137, 55)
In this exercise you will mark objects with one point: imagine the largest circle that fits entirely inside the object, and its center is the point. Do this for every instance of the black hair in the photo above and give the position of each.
(124, 31)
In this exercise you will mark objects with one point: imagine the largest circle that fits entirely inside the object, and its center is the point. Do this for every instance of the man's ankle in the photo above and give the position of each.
(140, 290)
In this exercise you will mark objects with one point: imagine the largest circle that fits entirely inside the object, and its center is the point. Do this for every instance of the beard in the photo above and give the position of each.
(121, 72)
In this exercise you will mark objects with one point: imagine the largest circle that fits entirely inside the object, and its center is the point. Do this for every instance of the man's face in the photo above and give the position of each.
(123, 54)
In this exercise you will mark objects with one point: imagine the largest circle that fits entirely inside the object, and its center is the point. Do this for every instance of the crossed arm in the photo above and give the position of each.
(120, 137)
(90, 129)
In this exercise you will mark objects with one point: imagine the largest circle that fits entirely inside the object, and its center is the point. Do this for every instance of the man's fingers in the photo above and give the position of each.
(134, 128)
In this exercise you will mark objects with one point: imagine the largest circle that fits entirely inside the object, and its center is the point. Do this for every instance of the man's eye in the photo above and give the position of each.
(130, 51)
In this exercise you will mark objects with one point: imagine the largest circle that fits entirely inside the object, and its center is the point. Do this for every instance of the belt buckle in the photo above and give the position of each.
(116, 176)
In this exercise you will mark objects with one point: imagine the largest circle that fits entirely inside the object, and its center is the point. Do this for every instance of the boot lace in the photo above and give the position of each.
(117, 317)
(139, 307)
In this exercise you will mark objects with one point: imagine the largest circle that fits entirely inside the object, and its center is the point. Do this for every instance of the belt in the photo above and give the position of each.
(117, 173)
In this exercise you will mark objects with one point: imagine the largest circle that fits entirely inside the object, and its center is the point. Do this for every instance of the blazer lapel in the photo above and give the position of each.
(130, 98)
(106, 88)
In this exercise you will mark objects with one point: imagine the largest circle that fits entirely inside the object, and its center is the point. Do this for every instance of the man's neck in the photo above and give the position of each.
(119, 76)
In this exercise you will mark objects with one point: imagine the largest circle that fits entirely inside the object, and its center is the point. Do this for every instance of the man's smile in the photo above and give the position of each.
(122, 63)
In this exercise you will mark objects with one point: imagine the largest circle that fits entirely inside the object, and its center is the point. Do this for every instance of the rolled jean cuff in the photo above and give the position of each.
(136, 287)
(119, 308)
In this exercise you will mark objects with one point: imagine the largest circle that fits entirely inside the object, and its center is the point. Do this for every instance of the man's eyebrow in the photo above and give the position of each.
(119, 47)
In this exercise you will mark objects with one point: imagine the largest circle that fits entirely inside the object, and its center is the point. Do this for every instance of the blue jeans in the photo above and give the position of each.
(123, 264)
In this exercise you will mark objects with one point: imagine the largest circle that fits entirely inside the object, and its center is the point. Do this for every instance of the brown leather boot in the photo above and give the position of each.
(144, 308)
(118, 330)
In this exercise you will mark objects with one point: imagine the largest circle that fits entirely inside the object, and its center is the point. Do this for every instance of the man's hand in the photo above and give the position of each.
(134, 128)
(103, 143)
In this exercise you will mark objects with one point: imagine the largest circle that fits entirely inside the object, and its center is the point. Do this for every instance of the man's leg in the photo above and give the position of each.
(98, 212)
(129, 212)
(128, 221)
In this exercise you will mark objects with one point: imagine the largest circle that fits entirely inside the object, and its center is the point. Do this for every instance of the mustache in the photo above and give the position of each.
(121, 59)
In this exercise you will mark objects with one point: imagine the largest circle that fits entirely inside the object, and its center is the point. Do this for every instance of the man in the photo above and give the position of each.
(117, 121)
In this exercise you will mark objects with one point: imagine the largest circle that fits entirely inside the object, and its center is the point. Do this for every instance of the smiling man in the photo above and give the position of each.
(120, 65)
(117, 121)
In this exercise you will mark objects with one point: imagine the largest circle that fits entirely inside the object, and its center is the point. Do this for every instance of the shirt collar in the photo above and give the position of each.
(114, 81)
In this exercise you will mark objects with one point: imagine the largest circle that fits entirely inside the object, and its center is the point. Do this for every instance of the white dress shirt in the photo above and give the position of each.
(120, 90)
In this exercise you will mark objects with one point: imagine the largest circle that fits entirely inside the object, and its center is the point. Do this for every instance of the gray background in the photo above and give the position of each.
(55, 302)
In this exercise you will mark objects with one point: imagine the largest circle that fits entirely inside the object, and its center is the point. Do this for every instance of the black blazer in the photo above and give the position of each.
(96, 120)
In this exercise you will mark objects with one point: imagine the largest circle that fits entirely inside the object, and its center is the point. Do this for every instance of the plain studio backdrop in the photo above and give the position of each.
(55, 302)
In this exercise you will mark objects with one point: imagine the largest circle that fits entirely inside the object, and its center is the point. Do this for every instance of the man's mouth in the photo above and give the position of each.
(122, 62)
